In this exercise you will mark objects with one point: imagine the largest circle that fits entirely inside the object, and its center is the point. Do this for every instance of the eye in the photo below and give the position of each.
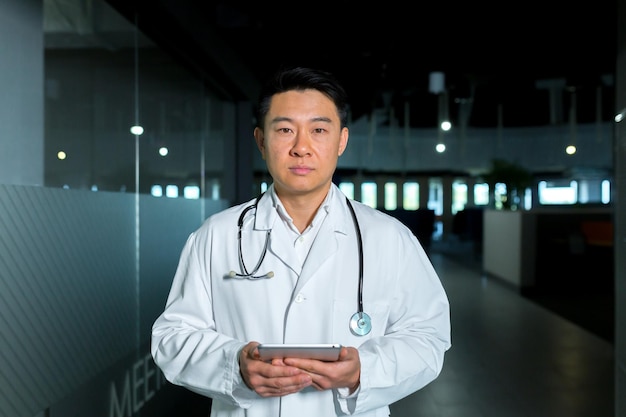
(284, 130)
(319, 130)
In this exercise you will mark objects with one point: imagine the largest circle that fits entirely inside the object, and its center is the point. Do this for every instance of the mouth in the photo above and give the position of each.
(300, 170)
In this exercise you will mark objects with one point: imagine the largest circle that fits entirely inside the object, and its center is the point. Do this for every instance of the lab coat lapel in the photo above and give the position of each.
(324, 248)
(281, 243)
(282, 246)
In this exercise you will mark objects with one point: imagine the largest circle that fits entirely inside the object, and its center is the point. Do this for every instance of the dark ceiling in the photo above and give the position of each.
(492, 54)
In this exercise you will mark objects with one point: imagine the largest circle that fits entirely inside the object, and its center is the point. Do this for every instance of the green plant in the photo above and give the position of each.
(515, 177)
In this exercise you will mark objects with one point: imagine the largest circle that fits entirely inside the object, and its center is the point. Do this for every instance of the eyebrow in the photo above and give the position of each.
(288, 119)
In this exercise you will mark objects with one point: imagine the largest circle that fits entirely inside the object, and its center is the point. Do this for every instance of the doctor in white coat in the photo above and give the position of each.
(294, 266)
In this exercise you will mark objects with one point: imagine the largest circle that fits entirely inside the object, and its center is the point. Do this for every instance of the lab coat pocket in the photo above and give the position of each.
(344, 309)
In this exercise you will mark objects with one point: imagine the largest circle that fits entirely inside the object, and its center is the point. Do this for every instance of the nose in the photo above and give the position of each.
(301, 146)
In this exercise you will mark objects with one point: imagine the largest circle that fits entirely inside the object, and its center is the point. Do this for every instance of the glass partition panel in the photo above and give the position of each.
(102, 77)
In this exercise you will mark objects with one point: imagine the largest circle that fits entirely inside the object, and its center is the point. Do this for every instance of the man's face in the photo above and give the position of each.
(301, 141)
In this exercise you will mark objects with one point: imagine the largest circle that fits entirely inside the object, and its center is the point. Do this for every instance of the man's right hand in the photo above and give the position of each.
(270, 379)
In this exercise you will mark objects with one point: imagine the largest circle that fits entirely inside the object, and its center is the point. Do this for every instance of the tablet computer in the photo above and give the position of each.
(321, 351)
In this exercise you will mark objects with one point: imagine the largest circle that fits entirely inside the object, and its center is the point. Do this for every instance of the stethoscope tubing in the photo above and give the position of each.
(360, 246)
(245, 273)
(360, 322)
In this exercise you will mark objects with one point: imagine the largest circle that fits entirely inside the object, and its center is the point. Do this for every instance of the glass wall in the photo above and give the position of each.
(102, 77)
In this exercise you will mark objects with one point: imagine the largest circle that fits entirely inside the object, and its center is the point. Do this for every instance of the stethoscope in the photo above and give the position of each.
(360, 322)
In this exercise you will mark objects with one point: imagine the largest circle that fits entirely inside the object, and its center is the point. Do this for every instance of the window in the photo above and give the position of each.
(171, 191)
(557, 192)
(606, 192)
(391, 196)
(368, 194)
(191, 192)
(347, 188)
(410, 195)
(481, 194)
(499, 195)
(435, 196)
(156, 191)
(459, 196)
(528, 199)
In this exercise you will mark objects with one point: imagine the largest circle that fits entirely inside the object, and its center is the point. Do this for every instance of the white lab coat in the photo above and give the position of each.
(209, 316)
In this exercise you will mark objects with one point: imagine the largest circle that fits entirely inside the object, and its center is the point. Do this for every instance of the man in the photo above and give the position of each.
(294, 266)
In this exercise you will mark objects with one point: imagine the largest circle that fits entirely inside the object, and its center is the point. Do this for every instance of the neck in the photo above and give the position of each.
(302, 209)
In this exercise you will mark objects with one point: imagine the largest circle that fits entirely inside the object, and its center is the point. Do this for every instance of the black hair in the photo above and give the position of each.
(301, 78)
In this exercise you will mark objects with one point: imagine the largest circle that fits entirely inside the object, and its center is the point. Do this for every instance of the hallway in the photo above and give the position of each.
(510, 357)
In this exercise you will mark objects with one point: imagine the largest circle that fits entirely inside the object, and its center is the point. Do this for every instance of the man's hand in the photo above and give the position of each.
(274, 379)
(343, 373)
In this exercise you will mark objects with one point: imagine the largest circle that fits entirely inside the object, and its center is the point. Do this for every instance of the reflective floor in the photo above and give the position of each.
(511, 357)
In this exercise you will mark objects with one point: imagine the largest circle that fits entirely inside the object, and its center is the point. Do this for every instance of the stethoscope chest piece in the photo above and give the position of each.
(360, 323)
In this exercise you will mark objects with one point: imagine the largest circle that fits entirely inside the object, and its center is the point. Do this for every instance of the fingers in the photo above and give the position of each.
(270, 379)
(343, 373)
(290, 375)
(280, 386)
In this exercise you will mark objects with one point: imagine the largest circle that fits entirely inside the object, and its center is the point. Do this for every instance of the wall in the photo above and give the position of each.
(80, 286)
(502, 243)
(21, 83)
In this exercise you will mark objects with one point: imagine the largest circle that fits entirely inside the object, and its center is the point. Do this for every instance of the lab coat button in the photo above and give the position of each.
(299, 298)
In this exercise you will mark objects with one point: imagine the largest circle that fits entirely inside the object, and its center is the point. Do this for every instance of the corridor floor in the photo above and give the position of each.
(512, 358)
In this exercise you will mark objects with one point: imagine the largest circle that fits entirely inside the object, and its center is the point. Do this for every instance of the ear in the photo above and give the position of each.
(343, 140)
(259, 138)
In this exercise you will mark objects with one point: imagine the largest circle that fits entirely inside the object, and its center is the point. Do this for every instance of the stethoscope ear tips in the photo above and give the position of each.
(270, 274)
